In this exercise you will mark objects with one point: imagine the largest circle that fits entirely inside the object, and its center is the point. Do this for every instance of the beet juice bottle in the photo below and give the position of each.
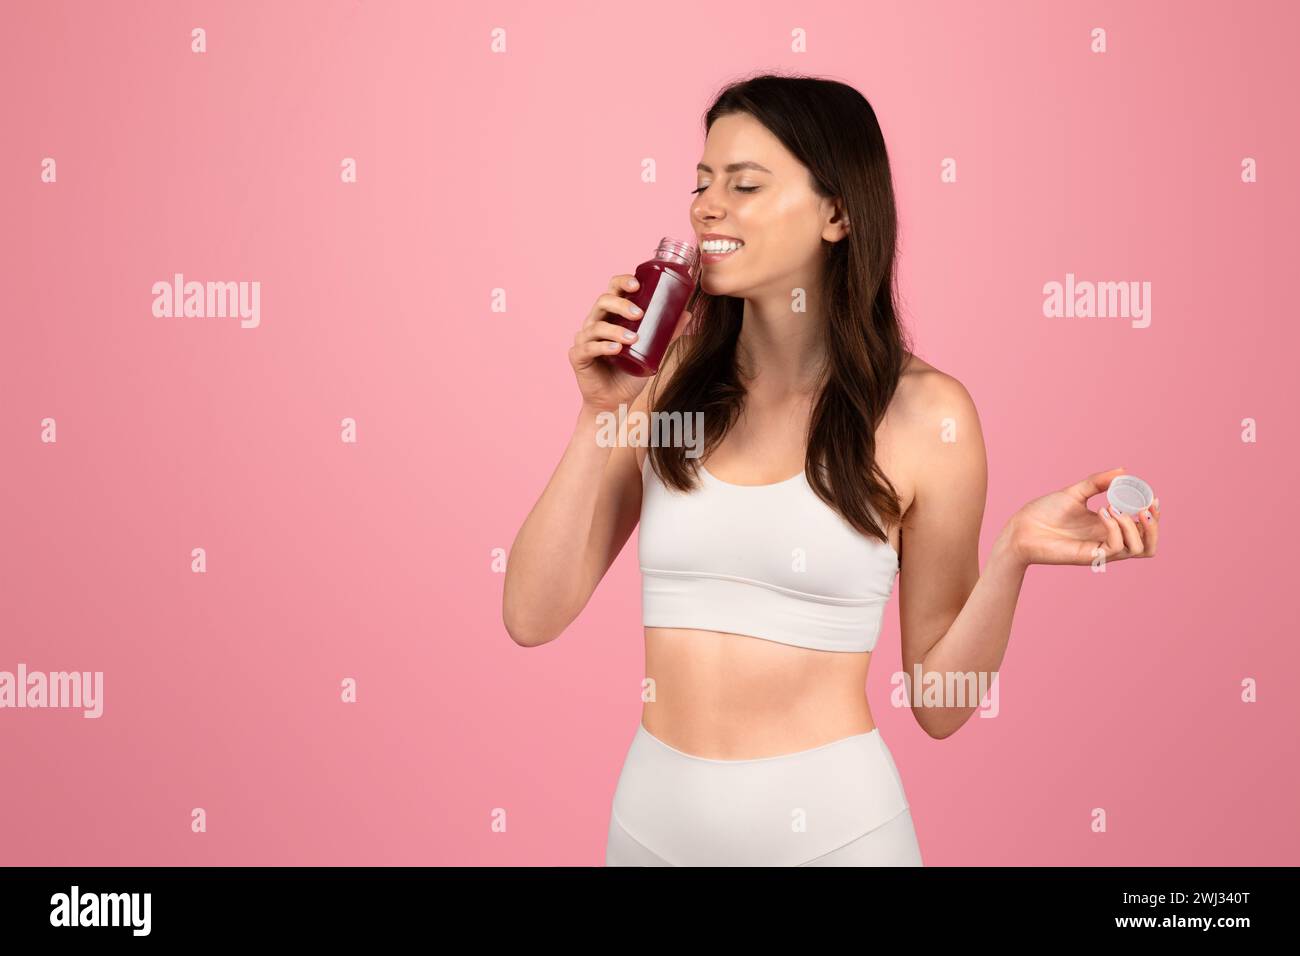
(664, 286)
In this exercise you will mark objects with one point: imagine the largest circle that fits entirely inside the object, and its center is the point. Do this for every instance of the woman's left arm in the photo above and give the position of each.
(956, 619)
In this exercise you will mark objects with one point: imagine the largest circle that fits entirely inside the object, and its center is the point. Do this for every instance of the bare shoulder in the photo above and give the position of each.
(925, 397)
(931, 415)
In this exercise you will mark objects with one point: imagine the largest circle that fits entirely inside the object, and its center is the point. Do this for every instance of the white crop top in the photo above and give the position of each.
(769, 561)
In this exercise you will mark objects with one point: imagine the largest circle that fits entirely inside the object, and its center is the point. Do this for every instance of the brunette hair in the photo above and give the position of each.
(832, 129)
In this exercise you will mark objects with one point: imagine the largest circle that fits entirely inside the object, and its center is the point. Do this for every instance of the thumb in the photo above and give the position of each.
(1094, 484)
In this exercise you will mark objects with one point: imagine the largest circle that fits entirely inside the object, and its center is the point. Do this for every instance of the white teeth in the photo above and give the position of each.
(720, 245)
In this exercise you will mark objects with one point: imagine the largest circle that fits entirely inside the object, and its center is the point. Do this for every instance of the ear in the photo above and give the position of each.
(837, 227)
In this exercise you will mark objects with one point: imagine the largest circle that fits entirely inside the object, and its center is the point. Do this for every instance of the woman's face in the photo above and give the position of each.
(754, 190)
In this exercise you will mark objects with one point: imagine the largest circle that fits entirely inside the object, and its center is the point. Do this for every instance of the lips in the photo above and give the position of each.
(721, 250)
(712, 258)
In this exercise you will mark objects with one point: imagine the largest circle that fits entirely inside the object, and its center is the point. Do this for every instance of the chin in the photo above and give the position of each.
(716, 285)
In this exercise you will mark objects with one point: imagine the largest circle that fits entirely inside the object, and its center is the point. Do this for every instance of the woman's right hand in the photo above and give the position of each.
(603, 384)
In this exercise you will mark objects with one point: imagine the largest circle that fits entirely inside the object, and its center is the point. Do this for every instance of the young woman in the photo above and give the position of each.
(767, 564)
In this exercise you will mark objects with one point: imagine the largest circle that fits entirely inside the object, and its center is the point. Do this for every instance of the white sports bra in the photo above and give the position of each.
(769, 561)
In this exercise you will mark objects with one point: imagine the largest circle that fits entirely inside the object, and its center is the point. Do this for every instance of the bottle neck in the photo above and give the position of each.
(683, 253)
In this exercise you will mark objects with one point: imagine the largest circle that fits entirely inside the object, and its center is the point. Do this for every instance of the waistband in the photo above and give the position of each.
(870, 736)
(780, 810)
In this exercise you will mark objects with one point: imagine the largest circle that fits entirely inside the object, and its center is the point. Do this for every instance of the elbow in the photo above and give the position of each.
(936, 730)
(519, 632)
(512, 616)
(532, 622)
(523, 632)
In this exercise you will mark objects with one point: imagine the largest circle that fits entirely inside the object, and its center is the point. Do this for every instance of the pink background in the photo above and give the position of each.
(521, 171)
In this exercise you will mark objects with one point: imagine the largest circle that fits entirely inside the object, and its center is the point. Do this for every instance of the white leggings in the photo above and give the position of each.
(840, 804)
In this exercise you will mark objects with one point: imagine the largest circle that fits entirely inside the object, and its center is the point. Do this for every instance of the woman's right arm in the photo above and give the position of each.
(593, 499)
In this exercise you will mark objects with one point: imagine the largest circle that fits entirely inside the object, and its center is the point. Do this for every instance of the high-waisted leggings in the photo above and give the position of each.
(840, 804)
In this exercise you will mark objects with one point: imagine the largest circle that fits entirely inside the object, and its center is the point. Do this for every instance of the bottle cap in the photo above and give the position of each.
(1129, 494)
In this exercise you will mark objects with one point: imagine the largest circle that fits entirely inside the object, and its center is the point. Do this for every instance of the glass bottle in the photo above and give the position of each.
(664, 286)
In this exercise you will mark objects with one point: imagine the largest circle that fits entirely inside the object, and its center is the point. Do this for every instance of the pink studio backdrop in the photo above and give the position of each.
(521, 170)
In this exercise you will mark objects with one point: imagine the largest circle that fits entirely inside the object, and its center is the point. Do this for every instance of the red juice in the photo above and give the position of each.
(665, 284)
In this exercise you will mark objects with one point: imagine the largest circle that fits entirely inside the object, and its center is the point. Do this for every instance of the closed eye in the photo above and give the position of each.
(739, 189)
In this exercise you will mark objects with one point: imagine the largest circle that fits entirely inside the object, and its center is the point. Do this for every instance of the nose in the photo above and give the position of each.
(705, 209)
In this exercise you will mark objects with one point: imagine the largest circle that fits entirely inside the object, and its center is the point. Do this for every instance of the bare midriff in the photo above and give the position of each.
(735, 697)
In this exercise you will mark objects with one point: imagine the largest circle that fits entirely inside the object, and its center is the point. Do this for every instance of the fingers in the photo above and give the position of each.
(583, 355)
(1093, 484)
(1150, 524)
(609, 304)
(620, 282)
(603, 331)
(600, 338)
(1114, 543)
(1133, 544)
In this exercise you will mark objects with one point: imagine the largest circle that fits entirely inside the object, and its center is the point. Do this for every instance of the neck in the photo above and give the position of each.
(782, 351)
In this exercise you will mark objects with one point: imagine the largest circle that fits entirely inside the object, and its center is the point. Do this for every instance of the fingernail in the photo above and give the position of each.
(635, 310)
(1156, 504)
(1114, 511)
(633, 283)
(1147, 515)
(629, 335)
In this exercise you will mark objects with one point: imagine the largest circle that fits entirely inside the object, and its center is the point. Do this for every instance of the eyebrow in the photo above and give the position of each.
(736, 167)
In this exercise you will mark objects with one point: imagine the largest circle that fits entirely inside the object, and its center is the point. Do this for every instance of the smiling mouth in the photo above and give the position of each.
(716, 250)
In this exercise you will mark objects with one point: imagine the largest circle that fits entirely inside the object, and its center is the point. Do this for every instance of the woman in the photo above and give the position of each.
(766, 566)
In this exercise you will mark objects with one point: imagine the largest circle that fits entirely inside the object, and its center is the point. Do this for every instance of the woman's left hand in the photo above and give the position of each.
(1059, 529)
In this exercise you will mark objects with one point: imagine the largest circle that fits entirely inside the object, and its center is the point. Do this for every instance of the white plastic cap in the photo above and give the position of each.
(1129, 494)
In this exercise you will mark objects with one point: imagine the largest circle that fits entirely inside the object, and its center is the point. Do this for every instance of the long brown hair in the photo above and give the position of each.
(832, 129)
